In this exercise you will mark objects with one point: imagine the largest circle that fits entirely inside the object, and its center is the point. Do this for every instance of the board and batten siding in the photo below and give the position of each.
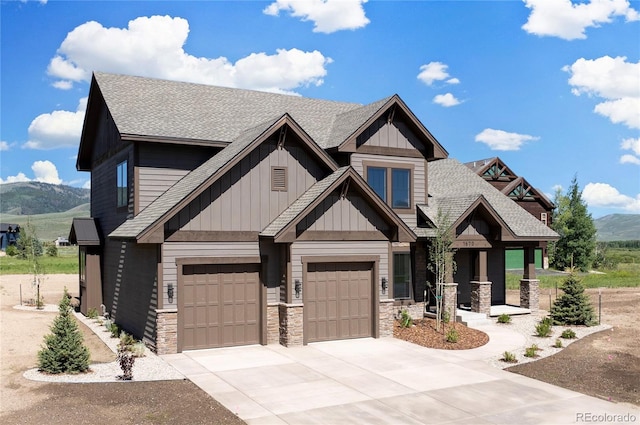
(418, 177)
(301, 249)
(390, 135)
(243, 199)
(174, 250)
(351, 213)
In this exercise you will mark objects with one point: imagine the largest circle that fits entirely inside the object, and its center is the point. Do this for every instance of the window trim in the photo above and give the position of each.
(390, 166)
(401, 251)
(122, 178)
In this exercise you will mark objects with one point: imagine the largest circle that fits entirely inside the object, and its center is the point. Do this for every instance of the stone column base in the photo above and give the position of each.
(291, 324)
(166, 331)
(450, 300)
(273, 324)
(387, 318)
(481, 297)
(530, 294)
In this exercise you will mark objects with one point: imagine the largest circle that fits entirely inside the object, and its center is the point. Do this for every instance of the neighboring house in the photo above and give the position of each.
(9, 234)
(225, 217)
(496, 172)
(61, 241)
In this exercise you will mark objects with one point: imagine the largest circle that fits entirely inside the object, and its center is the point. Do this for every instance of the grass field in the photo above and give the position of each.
(49, 226)
(65, 262)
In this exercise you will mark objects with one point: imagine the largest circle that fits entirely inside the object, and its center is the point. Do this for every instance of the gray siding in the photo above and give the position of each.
(153, 182)
(130, 287)
(242, 199)
(338, 248)
(173, 250)
(351, 213)
(394, 135)
(418, 177)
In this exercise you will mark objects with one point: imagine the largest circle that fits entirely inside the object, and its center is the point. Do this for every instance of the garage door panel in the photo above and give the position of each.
(219, 305)
(338, 300)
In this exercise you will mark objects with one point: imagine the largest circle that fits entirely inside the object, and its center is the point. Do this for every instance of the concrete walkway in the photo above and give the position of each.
(384, 381)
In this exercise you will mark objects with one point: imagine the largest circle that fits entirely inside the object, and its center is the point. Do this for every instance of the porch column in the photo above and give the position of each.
(481, 286)
(529, 285)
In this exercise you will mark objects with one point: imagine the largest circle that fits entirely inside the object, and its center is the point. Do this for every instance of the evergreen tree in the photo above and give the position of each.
(573, 307)
(577, 232)
(65, 351)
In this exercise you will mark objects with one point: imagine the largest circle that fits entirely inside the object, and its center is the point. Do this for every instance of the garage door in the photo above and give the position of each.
(219, 305)
(337, 301)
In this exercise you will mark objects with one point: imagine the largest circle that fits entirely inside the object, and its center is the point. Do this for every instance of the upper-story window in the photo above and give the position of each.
(392, 184)
(122, 185)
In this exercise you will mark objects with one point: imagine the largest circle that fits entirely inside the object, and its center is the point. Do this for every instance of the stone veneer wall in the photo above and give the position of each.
(166, 331)
(387, 310)
(450, 300)
(481, 297)
(415, 310)
(530, 294)
(291, 324)
(273, 324)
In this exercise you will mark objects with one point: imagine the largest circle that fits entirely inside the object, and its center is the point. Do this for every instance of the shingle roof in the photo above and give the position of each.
(346, 123)
(479, 164)
(171, 109)
(132, 228)
(456, 187)
(84, 232)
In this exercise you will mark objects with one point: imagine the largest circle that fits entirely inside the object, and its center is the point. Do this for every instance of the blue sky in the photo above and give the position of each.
(550, 86)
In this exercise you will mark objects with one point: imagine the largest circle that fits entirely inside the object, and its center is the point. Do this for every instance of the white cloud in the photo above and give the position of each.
(20, 177)
(446, 100)
(153, 47)
(87, 184)
(435, 71)
(327, 15)
(605, 195)
(4, 146)
(632, 145)
(46, 172)
(567, 20)
(629, 159)
(500, 140)
(57, 129)
(614, 80)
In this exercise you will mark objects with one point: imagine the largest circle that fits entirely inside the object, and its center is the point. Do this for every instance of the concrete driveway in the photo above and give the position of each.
(383, 381)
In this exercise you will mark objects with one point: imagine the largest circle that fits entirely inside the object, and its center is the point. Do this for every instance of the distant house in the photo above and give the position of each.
(61, 241)
(500, 176)
(9, 234)
(224, 217)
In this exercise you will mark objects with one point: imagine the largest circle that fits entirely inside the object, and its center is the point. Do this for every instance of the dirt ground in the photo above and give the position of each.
(27, 402)
(604, 365)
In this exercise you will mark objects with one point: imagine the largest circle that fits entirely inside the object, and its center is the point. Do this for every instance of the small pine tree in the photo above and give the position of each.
(64, 350)
(573, 307)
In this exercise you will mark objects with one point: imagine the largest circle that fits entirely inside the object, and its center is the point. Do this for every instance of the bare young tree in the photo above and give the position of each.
(441, 262)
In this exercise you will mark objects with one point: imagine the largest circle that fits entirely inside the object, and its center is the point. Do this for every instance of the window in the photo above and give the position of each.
(377, 179)
(543, 217)
(83, 263)
(122, 184)
(401, 275)
(279, 178)
(392, 184)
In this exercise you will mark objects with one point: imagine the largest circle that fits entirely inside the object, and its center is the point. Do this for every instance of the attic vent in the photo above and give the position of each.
(279, 178)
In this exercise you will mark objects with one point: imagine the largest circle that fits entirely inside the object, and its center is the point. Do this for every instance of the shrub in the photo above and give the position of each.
(568, 334)
(64, 350)
(573, 307)
(92, 313)
(530, 351)
(405, 319)
(446, 317)
(12, 251)
(452, 335)
(125, 359)
(509, 357)
(52, 251)
(504, 318)
(114, 329)
(558, 344)
(543, 329)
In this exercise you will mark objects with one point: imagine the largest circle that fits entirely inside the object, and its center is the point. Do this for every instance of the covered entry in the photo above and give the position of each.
(219, 305)
(338, 301)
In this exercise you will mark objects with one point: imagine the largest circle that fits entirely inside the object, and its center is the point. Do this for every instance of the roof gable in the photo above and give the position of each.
(283, 227)
(492, 169)
(520, 190)
(84, 232)
(147, 226)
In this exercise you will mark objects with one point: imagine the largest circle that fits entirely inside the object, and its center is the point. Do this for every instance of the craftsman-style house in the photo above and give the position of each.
(496, 172)
(225, 217)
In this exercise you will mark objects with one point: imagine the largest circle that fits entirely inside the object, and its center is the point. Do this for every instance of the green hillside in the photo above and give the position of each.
(30, 198)
(49, 226)
(618, 227)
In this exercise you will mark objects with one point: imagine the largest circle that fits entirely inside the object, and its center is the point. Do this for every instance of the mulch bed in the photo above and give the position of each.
(423, 332)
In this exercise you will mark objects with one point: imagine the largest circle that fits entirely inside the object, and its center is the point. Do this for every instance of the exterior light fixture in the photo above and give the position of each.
(298, 287)
(384, 285)
(170, 293)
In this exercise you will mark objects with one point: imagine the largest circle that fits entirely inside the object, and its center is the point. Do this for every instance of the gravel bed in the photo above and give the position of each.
(147, 368)
(526, 325)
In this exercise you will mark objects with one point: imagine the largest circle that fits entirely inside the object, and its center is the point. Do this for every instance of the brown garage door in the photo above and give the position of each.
(219, 305)
(337, 301)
